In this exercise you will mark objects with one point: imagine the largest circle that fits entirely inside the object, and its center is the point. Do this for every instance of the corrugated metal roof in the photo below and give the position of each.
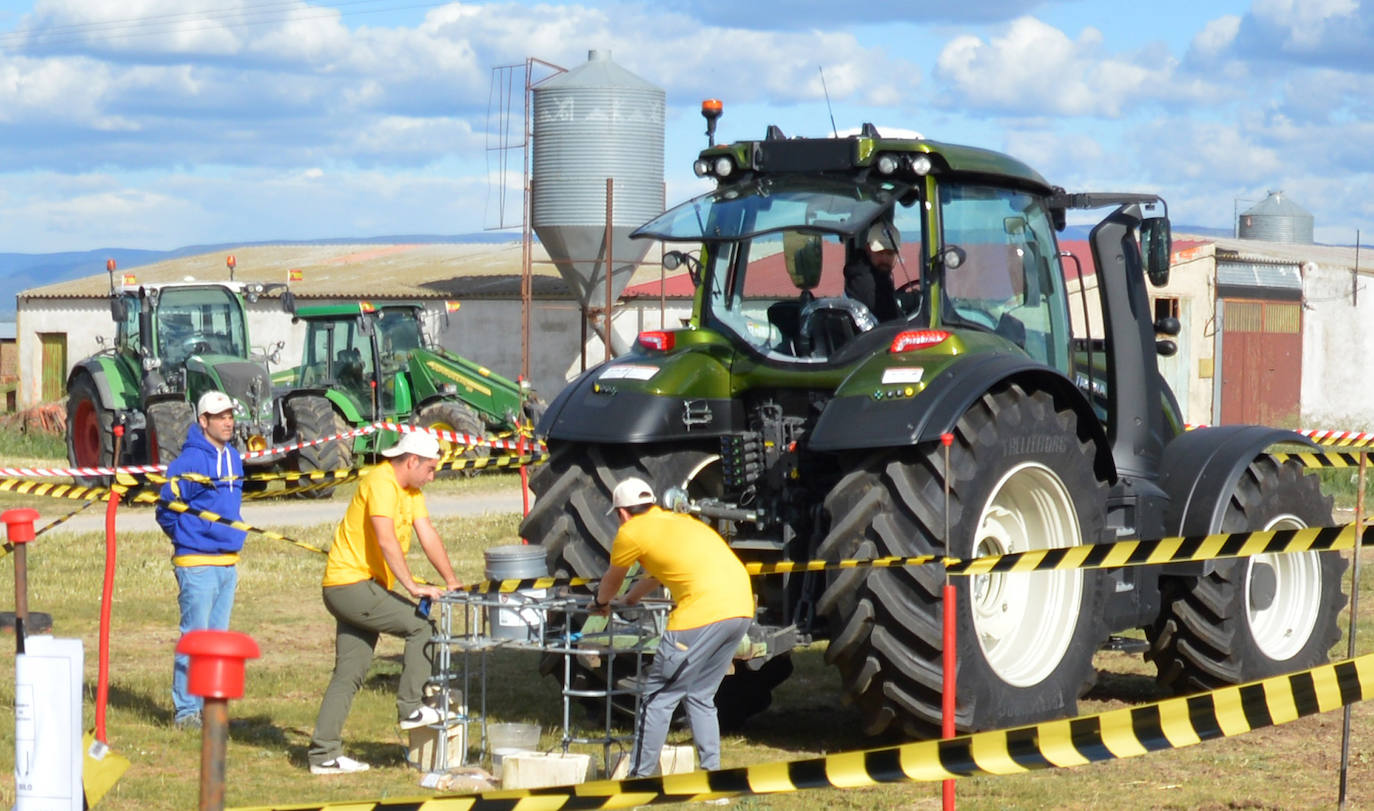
(1331, 257)
(1259, 275)
(435, 271)
(1276, 205)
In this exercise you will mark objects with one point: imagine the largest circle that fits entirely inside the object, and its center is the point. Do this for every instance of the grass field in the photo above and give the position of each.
(1293, 766)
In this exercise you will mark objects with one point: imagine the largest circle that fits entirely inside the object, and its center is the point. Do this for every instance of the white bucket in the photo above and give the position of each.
(513, 618)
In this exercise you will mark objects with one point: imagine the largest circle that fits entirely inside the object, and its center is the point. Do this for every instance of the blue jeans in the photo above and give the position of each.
(206, 599)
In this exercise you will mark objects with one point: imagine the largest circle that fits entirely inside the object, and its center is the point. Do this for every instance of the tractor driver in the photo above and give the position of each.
(868, 274)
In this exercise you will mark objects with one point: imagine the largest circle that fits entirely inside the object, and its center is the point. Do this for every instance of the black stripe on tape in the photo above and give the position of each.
(808, 773)
(1304, 693)
(956, 756)
(1202, 715)
(1086, 736)
(1255, 705)
(1023, 745)
(1148, 727)
(1348, 679)
(885, 765)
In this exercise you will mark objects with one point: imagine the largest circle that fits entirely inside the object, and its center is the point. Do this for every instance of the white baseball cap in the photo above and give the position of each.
(883, 236)
(631, 493)
(421, 444)
(214, 402)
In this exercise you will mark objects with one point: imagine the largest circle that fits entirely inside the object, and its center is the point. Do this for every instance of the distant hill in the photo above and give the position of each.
(20, 271)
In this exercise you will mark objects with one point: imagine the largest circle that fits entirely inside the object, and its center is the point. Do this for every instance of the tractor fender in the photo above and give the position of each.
(863, 421)
(1200, 469)
(620, 410)
(112, 397)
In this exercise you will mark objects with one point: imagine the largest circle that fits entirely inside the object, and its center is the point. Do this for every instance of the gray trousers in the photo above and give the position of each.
(364, 611)
(688, 666)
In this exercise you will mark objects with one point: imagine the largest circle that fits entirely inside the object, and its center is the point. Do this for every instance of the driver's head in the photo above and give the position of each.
(881, 243)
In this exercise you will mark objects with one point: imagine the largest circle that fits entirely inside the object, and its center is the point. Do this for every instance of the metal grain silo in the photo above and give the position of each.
(1276, 219)
(595, 122)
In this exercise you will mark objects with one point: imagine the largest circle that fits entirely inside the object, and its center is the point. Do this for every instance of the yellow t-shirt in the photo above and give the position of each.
(707, 580)
(355, 555)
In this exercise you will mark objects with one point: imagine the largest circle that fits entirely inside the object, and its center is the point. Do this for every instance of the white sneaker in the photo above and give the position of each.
(339, 765)
(426, 716)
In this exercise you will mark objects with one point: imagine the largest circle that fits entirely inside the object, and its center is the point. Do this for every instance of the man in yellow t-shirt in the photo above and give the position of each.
(713, 608)
(367, 558)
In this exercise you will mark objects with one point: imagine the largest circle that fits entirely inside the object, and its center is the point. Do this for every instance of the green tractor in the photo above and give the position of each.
(173, 342)
(365, 362)
(804, 427)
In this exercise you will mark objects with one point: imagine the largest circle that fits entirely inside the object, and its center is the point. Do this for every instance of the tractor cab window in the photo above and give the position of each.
(339, 356)
(199, 321)
(775, 257)
(398, 332)
(126, 331)
(1006, 276)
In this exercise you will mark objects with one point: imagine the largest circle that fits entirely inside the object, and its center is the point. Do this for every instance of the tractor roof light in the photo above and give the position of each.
(701, 167)
(913, 339)
(887, 163)
(921, 165)
(723, 166)
(657, 340)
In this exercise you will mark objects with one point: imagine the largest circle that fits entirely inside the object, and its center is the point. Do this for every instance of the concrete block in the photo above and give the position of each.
(539, 769)
(671, 760)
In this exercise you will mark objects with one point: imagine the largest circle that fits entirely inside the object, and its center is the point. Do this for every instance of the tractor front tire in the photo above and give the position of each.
(310, 417)
(90, 430)
(460, 419)
(1021, 476)
(570, 520)
(1255, 617)
(168, 422)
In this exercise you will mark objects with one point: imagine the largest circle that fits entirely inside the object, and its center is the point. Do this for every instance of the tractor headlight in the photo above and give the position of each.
(724, 166)
(887, 164)
(921, 165)
(701, 167)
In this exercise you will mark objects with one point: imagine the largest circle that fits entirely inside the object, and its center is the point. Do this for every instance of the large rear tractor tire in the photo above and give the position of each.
(460, 419)
(310, 417)
(90, 430)
(1021, 478)
(569, 518)
(168, 422)
(1256, 617)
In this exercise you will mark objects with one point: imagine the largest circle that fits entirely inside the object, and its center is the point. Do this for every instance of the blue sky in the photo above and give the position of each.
(162, 123)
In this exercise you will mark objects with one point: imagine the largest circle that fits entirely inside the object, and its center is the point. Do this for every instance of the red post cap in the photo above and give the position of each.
(217, 662)
(19, 523)
(946, 439)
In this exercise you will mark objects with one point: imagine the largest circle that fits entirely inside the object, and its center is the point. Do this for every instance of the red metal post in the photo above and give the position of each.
(19, 529)
(102, 685)
(949, 660)
(216, 674)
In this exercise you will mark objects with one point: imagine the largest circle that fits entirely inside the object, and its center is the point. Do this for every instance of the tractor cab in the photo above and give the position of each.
(791, 264)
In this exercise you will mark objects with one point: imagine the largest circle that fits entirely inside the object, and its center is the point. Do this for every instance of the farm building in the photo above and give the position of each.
(61, 323)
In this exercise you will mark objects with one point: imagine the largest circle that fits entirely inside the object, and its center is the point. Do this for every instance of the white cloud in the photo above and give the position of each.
(1034, 68)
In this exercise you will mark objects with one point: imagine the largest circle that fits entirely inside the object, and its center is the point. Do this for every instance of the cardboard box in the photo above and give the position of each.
(423, 752)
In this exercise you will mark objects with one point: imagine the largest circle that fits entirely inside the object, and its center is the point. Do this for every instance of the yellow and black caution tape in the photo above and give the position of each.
(1321, 460)
(67, 491)
(1170, 724)
(216, 518)
(502, 461)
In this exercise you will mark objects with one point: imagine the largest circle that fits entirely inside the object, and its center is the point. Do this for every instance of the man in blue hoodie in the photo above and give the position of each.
(204, 554)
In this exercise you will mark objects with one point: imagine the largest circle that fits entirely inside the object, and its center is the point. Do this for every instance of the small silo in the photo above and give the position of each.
(1276, 219)
(595, 122)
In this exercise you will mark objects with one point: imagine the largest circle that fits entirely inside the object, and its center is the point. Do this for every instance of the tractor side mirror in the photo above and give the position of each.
(288, 302)
(1156, 246)
(672, 260)
(119, 309)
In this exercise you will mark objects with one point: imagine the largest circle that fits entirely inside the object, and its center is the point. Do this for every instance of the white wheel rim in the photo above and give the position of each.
(1282, 628)
(1025, 621)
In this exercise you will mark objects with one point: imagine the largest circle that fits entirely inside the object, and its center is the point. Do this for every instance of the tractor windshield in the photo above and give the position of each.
(199, 321)
(789, 270)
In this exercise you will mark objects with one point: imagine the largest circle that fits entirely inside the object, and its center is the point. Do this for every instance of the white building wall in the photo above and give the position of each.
(1338, 335)
(80, 320)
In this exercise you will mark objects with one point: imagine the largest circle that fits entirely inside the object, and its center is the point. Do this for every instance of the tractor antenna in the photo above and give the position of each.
(828, 108)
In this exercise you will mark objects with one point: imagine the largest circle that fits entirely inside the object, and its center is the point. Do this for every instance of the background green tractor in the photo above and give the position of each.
(365, 362)
(804, 428)
(173, 342)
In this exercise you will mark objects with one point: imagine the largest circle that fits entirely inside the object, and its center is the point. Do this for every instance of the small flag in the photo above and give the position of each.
(295, 275)
(366, 306)
(130, 280)
(452, 306)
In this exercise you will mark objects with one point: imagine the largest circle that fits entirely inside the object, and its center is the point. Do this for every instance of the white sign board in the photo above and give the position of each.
(47, 725)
